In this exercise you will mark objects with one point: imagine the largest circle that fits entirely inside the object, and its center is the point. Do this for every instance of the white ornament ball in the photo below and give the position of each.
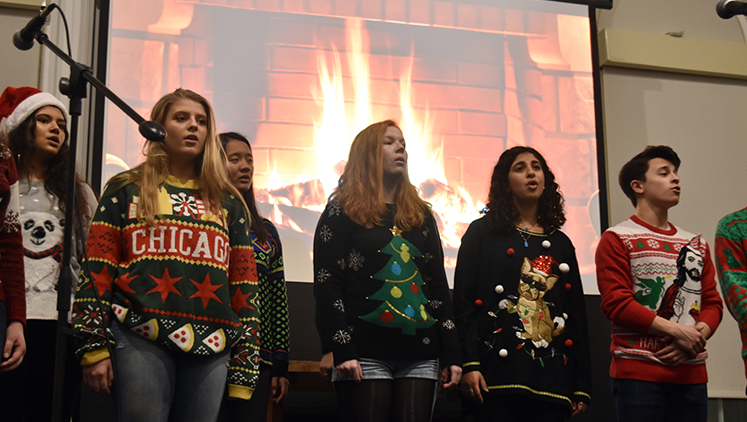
(565, 315)
(564, 268)
(503, 353)
(546, 244)
(499, 289)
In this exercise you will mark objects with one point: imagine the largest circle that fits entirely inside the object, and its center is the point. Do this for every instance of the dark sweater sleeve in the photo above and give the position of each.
(439, 296)
(330, 248)
(278, 324)
(579, 333)
(466, 281)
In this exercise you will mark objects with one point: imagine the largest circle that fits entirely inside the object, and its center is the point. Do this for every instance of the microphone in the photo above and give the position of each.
(727, 9)
(23, 39)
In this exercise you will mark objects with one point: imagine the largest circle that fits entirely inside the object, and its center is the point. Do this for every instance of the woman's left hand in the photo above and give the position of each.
(579, 408)
(279, 388)
(450, 376)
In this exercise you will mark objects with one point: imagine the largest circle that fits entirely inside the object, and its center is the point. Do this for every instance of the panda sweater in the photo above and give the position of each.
(43, 225)
(189, 283)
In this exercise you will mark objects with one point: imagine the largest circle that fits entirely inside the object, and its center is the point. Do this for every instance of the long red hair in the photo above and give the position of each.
(360, 191)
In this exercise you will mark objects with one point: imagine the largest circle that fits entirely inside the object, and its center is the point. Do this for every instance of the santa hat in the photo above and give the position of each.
(543, 265)
(16, 104)
(695, 244)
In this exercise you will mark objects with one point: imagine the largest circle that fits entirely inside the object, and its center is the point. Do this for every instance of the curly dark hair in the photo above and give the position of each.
(501, 210)
(21, 142)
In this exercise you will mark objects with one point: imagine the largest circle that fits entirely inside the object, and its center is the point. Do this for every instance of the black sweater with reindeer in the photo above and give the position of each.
(519, 308)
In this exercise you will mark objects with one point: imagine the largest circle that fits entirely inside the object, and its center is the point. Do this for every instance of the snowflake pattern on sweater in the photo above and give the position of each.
(189, 283)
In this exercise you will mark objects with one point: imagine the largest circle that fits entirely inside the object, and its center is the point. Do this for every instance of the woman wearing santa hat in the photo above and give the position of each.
(519, 302)
(36, 125)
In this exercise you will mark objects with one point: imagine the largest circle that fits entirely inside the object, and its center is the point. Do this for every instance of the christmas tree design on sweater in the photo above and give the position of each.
(401, 295)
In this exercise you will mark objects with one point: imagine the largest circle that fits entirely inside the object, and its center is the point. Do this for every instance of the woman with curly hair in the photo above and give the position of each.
(169, 254)
(519, 302)
(383, 306)
(36, 125)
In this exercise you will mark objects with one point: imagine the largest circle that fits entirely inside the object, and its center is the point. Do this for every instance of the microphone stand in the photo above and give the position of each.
(75, 88)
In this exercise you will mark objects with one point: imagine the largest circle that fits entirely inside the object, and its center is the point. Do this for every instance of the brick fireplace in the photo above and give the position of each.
(465, 79)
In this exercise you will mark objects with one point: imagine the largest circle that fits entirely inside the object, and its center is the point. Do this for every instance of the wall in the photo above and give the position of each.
(18, 68)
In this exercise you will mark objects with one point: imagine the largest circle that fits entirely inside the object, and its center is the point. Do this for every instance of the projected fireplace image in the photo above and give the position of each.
(464, 80)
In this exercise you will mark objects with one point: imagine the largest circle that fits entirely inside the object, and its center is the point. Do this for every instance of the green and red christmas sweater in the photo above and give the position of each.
(273, 302)
(189, 283)
(731, 262)
(382, 293)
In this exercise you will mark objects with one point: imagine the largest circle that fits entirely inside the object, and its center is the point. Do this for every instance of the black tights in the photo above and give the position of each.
(400, 400)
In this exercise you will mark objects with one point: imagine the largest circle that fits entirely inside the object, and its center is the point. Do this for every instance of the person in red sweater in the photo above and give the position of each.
(658, 288)
(12, 295)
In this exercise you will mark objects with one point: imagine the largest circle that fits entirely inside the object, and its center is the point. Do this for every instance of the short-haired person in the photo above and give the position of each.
(519, 301)
(272, 299)
(658, 287)
(731, 262)
(383, 302)
(169, 253)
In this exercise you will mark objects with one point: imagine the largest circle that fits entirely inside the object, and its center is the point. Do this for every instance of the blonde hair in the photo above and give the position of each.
(360, 191)
(209, 166)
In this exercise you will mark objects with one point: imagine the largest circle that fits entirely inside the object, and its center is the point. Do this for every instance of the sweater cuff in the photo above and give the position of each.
(470, 367)
(344, 354)
(713, 319)
(280, 369)
(450, 357)
(240, 392)
(581, 397)
(94, 356)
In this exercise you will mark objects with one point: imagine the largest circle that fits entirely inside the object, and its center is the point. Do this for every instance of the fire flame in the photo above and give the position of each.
(341, 120)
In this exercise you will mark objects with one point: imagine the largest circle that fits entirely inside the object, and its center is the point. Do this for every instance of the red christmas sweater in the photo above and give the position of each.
(12, 282)
(643, 272)
(189, 283)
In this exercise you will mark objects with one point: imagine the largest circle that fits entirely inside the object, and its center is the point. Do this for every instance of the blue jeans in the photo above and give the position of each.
(154, 384)
(645, 401)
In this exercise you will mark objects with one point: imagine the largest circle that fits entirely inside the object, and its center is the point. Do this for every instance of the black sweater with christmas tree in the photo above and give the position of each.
(382, 293)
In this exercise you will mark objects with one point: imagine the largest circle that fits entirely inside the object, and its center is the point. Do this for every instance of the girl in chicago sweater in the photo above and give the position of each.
(272, 300)
(169, 254)
(382, 298)
(37, 129)
(519, 301)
